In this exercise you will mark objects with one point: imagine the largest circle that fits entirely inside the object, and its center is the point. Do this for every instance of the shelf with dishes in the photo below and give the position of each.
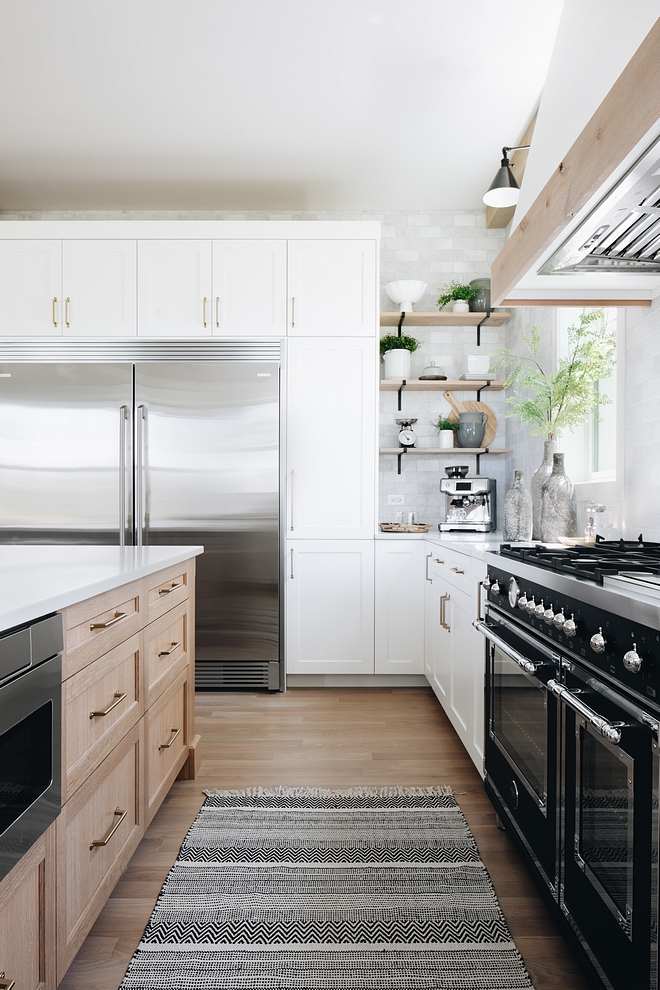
(444, 451)
(446, 319)
(439, 385)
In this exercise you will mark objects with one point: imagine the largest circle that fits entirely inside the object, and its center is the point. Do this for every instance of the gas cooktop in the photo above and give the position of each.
(594, 563)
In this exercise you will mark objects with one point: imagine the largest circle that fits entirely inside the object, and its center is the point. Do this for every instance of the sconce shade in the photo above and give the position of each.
(504, 190)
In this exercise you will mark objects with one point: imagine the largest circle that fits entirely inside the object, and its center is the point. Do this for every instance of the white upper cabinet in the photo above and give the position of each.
(174, 288)
(332, 288)
(30, 288)
(249, 288)
(331, 438)
(98, 288)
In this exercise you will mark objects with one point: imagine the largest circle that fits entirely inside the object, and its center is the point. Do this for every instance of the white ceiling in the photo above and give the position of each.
(257, 104)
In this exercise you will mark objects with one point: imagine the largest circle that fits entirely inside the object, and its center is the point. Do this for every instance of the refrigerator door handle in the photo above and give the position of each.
(123, 419)
(139, 472)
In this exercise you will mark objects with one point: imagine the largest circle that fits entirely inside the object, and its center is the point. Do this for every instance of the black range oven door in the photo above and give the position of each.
(610, 871)
(522, 739)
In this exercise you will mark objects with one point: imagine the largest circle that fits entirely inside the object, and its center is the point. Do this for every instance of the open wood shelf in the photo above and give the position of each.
(442, 451)
(415, 385)
(444, 319)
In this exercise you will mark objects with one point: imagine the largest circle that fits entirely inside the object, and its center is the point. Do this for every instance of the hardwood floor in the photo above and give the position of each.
(330, 738)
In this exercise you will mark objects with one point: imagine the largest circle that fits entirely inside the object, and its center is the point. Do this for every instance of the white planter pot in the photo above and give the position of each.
(446, 439)
(397, 363)
(460, 306)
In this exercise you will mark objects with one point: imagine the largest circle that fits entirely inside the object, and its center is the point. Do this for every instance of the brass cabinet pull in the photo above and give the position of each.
(217, 318)
(6, 984)
(457, 570)
(293, 311)
(168, 744)
(204, 311)
(66, 310)
(118, 698)
(168, 591)
(167, 653)
(428, 557)
(438, 561)
(110, 622)
(443, 601)
(52, 308)
(120, 815)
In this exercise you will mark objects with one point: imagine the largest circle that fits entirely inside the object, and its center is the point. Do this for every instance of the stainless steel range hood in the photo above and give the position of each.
(622, 234)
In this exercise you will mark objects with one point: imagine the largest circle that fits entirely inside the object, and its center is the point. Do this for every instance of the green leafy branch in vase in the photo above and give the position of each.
(561, 399)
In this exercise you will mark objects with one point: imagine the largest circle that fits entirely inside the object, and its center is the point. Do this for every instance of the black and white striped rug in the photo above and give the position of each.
(308, 888)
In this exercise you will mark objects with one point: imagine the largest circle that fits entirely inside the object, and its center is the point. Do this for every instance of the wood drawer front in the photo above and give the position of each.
(166, 741)
(115, 615)
(168, 588)
(165, 642)
(27, 918)
(99, 687)
(86, 876)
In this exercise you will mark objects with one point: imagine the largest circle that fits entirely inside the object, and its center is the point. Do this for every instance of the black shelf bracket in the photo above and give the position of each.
(398, 458)
(487, 385)
(479, 326)
(401, 388)
(401, 319)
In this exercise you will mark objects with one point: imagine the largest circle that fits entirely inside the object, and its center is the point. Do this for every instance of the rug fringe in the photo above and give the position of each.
(441, 790)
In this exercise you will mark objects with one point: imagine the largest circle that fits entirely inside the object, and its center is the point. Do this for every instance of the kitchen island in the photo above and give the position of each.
(127, 731)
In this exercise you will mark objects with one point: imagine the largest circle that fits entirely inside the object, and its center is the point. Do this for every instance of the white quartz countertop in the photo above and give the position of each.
(37, 580)
(474, 544)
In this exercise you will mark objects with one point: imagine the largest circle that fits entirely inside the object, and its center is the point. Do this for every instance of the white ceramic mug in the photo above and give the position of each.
(406, 518)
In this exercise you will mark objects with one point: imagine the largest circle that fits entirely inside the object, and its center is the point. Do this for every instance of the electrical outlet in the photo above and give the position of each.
(396, 500)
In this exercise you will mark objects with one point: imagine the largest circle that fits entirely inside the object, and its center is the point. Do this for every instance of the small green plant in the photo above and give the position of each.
(563, 398)
(445, 424)
(392, 342)
(455, 290)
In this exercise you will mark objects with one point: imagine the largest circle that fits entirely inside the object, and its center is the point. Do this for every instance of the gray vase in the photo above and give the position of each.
(518, 511)
(558, 505)
(538, 478)
(471, 429)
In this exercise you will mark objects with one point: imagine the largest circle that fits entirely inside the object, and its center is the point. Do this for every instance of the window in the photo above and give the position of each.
(594, 449)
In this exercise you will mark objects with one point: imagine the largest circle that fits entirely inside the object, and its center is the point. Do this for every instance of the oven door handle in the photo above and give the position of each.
(522, 634)
(606, 729)
(527, 665)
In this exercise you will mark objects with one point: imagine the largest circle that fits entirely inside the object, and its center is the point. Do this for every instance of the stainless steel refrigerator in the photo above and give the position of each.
(168, 452)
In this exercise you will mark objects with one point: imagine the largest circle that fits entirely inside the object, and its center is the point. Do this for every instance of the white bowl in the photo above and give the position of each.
(405, 292)
(478, 364)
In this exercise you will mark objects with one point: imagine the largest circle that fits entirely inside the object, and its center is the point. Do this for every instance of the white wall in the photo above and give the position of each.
(595, 41)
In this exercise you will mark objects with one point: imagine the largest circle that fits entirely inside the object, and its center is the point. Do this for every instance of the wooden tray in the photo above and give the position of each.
(473, 406)
(398, 528)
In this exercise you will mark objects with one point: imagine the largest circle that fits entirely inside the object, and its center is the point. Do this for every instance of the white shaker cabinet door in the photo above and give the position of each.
(441, 682)
(332, 288)
(249, 288)
(174, 288)
(330, 607)
(331, 438)
(399, 607)
(30, 288)
(99, 288)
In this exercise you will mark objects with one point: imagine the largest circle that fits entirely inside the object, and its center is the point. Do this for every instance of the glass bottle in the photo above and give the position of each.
(518, 511)
(542, 474)
(558, 504)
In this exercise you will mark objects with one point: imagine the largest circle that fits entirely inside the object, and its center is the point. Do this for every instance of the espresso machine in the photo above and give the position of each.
(471, 503)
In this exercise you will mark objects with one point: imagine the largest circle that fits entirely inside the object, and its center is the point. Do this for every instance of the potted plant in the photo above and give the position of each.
(558, 400)
(395, 352)
(458, 294)
(446, 429)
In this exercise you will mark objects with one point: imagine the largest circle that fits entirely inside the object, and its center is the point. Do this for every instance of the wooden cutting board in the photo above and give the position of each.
(473, 406)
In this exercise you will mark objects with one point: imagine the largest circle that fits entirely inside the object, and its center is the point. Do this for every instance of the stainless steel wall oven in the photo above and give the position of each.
(572, 757)
(30, 735)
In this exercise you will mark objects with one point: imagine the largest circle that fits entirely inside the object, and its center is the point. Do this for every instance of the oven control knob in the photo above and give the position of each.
(522, 601)
(549, 616)
(632, 660)
(539, 611)
(531, 605)
(487, 582)
(597, 641)
(514, 592)
(559, 620)
(495, 588)
(570, 627)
